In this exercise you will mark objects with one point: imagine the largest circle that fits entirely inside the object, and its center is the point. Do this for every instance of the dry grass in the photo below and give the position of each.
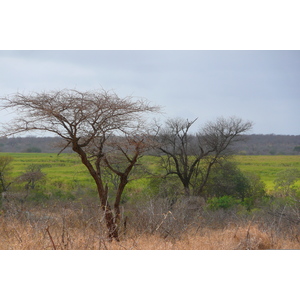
(80, 226)
(212, 239)
(18, 235)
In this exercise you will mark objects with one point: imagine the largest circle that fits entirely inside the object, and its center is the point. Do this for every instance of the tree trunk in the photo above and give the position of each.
(187, 190)
(121, 187)
(113, 230)
(111, 224)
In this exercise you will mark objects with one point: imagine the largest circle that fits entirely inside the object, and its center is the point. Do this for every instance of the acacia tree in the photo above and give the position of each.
(192, 156)
(98, 125)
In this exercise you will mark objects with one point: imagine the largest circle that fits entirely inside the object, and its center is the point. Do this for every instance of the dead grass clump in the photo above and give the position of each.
(253, 238)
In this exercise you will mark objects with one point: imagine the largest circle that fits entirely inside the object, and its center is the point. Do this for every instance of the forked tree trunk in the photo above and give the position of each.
(113, 219)
(110, 220)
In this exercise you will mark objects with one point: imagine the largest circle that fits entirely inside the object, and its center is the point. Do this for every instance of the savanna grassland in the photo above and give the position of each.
(72, 219)
(66, 169)
(63, 168)
(268, 166)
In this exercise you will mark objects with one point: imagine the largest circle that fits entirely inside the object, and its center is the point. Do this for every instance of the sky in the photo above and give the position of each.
(258, 86)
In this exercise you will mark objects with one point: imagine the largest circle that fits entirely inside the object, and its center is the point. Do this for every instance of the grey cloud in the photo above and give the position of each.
(261, 86)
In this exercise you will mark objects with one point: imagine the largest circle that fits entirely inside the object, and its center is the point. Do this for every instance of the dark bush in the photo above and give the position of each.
(33, 150)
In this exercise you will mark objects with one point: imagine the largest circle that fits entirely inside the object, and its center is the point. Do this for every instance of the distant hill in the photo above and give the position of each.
(256, 144)
(269, 144)
(31, 144)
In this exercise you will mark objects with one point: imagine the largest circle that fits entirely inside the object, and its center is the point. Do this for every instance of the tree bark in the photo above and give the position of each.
(102, 193)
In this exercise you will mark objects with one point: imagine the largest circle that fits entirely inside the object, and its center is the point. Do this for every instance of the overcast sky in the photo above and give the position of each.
(259, 86)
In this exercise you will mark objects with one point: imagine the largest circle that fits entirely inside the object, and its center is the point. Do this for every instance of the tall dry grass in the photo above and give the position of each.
(18, 236)
(150, 226)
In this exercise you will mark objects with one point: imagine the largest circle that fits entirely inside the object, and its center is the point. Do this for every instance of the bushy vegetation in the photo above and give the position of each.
(51, 211)
(152, 224)
(241, 178)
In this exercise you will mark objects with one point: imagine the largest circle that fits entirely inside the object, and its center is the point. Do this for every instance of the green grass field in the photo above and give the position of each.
(66, 169)
(268, 166)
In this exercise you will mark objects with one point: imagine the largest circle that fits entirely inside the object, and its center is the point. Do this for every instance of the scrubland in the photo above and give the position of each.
(151, 226)
(63, 213)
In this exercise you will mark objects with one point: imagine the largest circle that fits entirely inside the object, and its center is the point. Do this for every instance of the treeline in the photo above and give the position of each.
(255, 144)
(269, 144)
(31, 144)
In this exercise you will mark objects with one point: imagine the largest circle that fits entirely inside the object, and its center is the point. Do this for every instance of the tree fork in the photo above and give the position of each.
(90, 122)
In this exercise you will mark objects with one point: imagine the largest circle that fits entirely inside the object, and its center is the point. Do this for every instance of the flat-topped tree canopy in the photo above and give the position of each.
(95, 124)
(72, 113)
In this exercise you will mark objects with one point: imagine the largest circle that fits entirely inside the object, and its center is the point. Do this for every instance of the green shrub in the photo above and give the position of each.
(285, 182)
(37, 196)
(224, 202)
(58, 194)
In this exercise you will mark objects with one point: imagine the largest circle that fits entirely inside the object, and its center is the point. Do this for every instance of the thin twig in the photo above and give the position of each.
(47, 229)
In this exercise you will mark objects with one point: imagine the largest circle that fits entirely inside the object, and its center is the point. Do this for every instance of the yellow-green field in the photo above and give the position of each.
(67, 168)
(62, 169)
(268, 166)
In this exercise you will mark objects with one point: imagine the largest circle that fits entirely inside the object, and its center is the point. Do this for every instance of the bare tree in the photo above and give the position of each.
(98, 125)
(32, 177)
(5, 168)
(192, 156)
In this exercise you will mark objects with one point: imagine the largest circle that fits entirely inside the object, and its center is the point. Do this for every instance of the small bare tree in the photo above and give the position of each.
(192, 156)
(32, 177)
(98, 125)
(5, 168)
